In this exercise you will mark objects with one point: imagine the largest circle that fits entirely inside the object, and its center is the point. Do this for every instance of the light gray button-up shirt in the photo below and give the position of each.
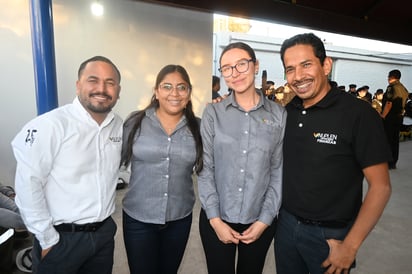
(242, 175)
(160, 186)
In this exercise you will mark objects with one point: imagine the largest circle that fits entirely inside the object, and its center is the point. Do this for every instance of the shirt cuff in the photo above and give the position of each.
(49, 238)
(266, 218)
(212, 212)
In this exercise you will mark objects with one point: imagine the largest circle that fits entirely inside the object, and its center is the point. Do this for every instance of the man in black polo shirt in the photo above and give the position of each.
(332, 141)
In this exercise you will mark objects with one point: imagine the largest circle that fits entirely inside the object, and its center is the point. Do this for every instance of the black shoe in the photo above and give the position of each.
(392, 166)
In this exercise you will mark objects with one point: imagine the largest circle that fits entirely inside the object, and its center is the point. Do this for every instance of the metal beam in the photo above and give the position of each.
(285, 12)
(41, 17)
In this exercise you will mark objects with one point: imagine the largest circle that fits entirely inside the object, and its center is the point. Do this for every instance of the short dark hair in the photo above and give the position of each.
(333, 83)
(305, 39)
(394, 74)
(95, 59)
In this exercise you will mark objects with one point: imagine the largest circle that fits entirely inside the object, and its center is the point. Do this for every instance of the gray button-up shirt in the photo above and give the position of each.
(242, 175)
(161, 186)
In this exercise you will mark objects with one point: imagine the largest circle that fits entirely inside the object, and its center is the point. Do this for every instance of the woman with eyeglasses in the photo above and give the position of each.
(240, 184)
(162, 143)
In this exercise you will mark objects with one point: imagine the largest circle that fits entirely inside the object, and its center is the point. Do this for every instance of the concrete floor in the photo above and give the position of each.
(387, 250)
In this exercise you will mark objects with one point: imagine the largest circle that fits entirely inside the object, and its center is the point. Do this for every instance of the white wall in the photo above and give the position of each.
(139, 38)
(372, 74)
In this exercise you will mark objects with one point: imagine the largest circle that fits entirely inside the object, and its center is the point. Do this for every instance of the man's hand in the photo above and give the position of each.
(219, 99)
(45, 251)
(340, 257)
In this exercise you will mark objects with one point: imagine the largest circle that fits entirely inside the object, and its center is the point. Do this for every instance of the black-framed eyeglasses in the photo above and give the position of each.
(182, 89)
(241, 67)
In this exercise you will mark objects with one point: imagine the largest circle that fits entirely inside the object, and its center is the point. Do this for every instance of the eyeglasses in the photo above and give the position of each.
(181, 89)
(241, 66)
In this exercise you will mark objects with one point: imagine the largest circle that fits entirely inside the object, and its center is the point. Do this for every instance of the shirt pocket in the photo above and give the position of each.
(112, 151)
(267, 137)
(186, 146)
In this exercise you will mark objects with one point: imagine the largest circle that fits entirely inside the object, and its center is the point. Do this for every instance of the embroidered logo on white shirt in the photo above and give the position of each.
(115, 139)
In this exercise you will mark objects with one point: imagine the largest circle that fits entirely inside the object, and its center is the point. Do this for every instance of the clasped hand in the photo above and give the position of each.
(228, 235)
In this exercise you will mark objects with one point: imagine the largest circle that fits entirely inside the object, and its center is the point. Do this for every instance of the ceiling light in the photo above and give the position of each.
(97, 8)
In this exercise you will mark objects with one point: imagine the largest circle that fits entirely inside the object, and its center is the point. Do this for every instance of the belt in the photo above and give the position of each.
(329, 224)
(89, 227)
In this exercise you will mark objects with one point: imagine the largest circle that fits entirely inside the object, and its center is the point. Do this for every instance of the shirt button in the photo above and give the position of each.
(300, 125)
(165, 194)
(244, 152)
(246, 114)
(167, 159)
(303, 112)
(240, 189)
(242, 170)
(166, 176)
(246, 132)
(169, 139)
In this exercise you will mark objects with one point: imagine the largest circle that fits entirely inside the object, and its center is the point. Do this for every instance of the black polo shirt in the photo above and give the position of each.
(326, 146)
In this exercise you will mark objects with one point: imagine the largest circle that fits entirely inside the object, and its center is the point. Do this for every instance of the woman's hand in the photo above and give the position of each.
(223, 231)
(253, 232)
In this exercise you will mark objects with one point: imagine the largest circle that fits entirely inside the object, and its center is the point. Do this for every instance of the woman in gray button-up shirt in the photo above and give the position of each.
(240, 184)
(163, 145)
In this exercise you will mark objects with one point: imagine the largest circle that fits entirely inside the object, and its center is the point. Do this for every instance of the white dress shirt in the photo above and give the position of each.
(67, 169)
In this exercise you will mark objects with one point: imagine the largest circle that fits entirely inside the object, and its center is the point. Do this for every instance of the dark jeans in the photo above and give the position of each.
(78, 252)
(155, 248)
(221, 258)
(392, 129)
(302, 248)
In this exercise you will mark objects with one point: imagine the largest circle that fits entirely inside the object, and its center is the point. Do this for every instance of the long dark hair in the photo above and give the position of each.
(192, 121)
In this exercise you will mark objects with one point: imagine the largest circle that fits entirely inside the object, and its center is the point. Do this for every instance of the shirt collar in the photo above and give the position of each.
(80, 108)
(151, 113)
(230, 101)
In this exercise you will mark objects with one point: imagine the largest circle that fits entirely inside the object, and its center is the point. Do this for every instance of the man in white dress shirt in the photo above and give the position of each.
(67, 171)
